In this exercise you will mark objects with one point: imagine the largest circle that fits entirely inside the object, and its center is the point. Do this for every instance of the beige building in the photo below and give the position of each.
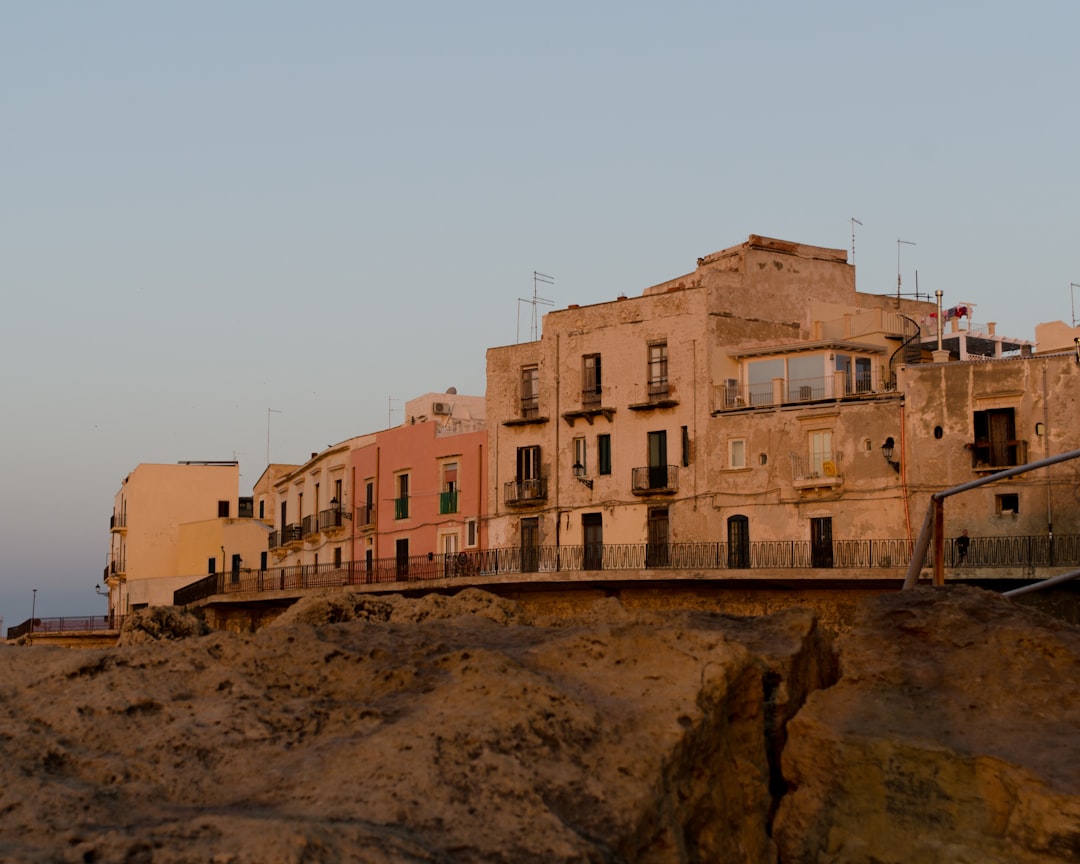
(169, 524)
(756, 401)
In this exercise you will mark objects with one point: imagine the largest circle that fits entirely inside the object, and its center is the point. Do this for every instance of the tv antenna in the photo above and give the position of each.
(534, 326)
(1072, 295)
(269, 411)
(390, 400)
(899, 242)
(854, 222)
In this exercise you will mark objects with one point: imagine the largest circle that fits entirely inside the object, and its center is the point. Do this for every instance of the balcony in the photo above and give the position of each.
(655, 480)
(996, 455)
(117, 525)
(659, 396)
(309, 529)
(401, 508)
(331, 520)
(292, 536)
(815, 470)
(274, 540)
(365, 517)
(522, 493)
(448, 502)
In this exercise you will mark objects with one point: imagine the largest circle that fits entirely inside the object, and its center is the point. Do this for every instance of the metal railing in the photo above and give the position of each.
(933, 527)
(869, 554)
(525, 491)
(654, 478)
(309, 525)
(83, 624)
(331, 518)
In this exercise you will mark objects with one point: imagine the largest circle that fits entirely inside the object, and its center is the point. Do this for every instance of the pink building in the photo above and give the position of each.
(422, 486)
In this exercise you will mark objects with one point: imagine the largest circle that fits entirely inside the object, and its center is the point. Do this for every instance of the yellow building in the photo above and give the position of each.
(169, 523)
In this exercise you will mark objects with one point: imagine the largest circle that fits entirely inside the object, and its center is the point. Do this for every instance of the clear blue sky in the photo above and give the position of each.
(212, 209)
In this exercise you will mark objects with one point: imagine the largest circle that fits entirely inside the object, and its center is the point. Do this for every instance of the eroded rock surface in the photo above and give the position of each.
(427, 730)
(952, 736)
(943, 727)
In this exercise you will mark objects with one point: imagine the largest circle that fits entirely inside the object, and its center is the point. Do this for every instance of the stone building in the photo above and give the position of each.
(756, 401)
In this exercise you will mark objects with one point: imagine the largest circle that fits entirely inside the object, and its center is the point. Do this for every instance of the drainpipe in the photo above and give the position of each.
(1046, 453)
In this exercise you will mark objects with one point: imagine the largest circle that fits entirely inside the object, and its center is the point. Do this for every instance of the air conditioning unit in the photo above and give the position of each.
(441, 408)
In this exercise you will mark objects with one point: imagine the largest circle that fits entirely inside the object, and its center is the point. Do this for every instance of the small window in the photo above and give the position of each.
(1007, 503)
(470, 532)
(223, 509)
(211, 566)
(262, 508)
(591, 385)
(262, 561)
(603, 454)
(658, 369)
(401, 502)
(530, 391)
(685, 446)
(737, 453)
(337, 557)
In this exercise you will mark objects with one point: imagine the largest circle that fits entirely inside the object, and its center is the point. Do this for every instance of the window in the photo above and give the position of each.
(448, 497)
(262, 508)
(995, 444)
(685, 446)
(820, 452)
(235, 569)
(211, 566)
(658, 374)
(528, 463)
(470, 532)
(401, 501)
(530, 391)
(337, 557)
(338, 498)
(223, 509)
(591, 386)
(580, 465)
(603, 454)
(262, 561)
(737, 453)
(1007, 503)
(738, 538)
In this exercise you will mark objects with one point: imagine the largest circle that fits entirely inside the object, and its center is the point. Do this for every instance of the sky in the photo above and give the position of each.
(209, 210)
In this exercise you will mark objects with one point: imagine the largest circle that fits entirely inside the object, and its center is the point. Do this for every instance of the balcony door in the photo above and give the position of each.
(821, 551)
(592, 528)
(738, 542)
(530, 545)
(658, 550)
(658, 460)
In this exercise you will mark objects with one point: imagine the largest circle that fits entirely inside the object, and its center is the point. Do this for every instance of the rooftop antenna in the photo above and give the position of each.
(534, 325)
(1072, 294)
(854, 222)
(389, 409)
(269, 411)
(898, 244)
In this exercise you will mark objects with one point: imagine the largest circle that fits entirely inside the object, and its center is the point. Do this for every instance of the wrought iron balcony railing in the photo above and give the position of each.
(655, 480)
(309, 525)
(518, 492)
(330, 519)
(365, 516)
(448, 502)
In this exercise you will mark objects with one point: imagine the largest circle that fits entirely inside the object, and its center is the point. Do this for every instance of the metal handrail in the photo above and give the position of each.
(83, 624)
(934, 522)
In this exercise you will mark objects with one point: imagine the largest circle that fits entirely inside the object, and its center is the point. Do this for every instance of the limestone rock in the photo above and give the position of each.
(444, 732)
(161, 623)
(953, 735)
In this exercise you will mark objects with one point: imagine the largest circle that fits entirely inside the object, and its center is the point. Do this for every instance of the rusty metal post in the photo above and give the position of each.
(939, 541)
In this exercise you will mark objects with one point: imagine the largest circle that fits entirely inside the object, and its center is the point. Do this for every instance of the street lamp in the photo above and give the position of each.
(33, 611)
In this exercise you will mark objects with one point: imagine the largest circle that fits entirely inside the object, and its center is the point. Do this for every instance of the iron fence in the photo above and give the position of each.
(982, 552)
(81, 624)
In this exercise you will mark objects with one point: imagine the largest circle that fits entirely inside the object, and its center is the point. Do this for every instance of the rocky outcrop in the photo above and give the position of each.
(953, 735)
(457, 729)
